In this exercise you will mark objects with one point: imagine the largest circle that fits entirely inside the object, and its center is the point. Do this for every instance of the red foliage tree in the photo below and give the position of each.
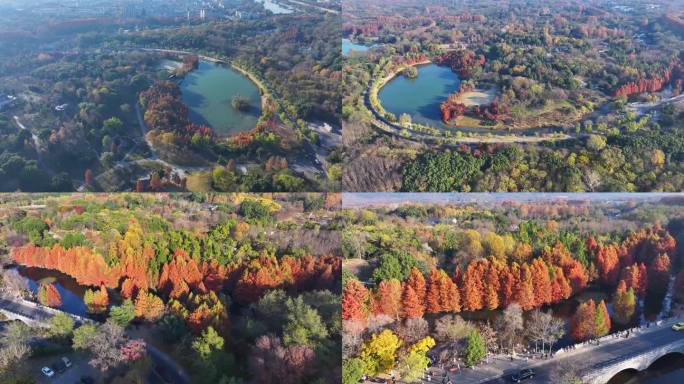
(49, 296)
(412, 307)
(583, 323)
(388, 298)
(354, 300)
(432, 296)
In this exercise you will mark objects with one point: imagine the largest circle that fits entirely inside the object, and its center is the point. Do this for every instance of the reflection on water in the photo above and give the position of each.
(69, 290)
(348, 46)
(208, 91)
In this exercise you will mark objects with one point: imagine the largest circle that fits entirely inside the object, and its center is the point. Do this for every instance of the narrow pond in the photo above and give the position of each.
(208, 91)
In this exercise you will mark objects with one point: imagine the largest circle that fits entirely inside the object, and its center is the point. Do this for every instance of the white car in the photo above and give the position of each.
(47, 372)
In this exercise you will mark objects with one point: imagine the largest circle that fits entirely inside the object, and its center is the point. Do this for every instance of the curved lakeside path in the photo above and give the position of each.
(382, 123)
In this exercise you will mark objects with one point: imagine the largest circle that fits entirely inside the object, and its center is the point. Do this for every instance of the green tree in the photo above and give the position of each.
(113, 125)
(395, 265)
(61, 325)
(208, 343)
(304, 325)
(123, 314)
(352, 370)
(73, 239)
(82, 336)
(475, 350)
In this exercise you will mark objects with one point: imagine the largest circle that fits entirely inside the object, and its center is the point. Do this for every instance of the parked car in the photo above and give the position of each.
(524, 374)
(59, 367)
(47, 372)
(679, 326)
(66, 362)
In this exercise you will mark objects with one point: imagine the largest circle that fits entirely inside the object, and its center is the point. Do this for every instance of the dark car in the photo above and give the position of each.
(59, 367)
(524, 374)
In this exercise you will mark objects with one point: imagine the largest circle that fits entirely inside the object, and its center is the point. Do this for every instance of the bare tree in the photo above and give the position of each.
(412, 330)
(543, 327)
(14, 284)
(105, 345)
(14, 344)
(451, 328)
(489, 336)
(510, 326)
(351, 344)
(378, 323)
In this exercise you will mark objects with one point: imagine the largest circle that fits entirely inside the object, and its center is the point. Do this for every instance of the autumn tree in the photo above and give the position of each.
(602, 320)
(49, 296)
(659, 274)
(97, 301)
(432, 296)
(388, 298)
(354, 301)
(624, 303)
(379, 353)
(415, 362)
(412, 307)
(148, 306)
(417, 281)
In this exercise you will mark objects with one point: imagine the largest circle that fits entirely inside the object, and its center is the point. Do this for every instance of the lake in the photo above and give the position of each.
(208, 91)
(275, 7)
(348, 46)
(69, 290)
(420, 97)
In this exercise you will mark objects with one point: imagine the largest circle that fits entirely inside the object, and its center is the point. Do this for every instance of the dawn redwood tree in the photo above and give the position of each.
(560, 287)
(601, 320)
(432, 296)
(449, 296)
(524, 293)
(417, 281)
(583, 322)
(354, 301)
(148, 306)
(659, 274)
(411, 306)
(541, 283)
(49, 296)
(97, 301)
(624, 303)
(608, 263)
(472, 288)
(492, 286)
(388, 299)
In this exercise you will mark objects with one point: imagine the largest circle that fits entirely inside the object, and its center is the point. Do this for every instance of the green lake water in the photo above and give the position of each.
(420, 97)
(208, 91)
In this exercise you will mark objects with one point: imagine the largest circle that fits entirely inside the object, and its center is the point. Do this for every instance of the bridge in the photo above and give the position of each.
(32, 313)
(592, 363)
(636, 354)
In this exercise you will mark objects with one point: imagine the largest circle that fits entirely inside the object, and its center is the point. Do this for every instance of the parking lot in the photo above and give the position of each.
(72, 375)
